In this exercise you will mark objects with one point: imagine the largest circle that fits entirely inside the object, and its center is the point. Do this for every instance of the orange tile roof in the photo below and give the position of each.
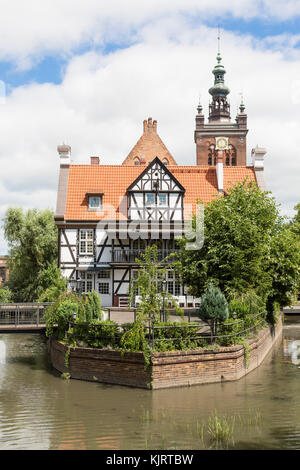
(200, 183)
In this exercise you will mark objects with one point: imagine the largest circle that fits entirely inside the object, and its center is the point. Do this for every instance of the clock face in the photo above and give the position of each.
(221, 143)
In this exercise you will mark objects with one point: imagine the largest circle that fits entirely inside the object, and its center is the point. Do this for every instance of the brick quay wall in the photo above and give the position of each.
(167, 369)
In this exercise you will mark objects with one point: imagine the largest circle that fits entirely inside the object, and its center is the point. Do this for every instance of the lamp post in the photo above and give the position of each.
(164, 283)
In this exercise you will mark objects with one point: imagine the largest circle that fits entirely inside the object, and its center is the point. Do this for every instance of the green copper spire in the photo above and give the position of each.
(219, 108)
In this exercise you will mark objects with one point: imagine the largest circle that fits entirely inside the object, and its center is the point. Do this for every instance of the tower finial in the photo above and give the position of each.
(242, 106)
(219, 58)
(199, 107)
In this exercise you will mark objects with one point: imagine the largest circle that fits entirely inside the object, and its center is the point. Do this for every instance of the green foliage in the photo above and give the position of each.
(247, 246)
(295, 223)
(97, 334)
(61, 312)
(92, 307)
(148, 285)
(134, 339)
(245, 303)
(5, 295)
(53, 284)
(284, 264)
(184, 336)
(213, 308)
(32, 239)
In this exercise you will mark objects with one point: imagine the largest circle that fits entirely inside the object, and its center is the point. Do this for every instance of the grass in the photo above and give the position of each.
(216, 432)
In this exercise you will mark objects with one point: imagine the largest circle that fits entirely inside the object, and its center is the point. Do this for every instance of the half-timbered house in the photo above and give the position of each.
(107, 214)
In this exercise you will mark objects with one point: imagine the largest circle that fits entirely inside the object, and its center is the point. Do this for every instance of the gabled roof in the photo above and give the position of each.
(148, 167)
(199, 182)
(149, 146)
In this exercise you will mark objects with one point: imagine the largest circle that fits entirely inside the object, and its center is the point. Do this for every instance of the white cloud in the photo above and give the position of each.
(100, 105)
(32, 29)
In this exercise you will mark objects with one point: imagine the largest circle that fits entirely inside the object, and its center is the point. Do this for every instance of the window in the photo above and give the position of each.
(150, 199)
(86, 242)
(173, 283)
(95, 202)
(103, 288)
(86, 282)
(162, 199)
(104, 274)
(136, 161)
(165, 162)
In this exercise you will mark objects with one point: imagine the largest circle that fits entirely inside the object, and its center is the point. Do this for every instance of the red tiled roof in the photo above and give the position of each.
(200, 183)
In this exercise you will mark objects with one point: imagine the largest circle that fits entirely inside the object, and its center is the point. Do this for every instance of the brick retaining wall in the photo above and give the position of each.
(168, 369)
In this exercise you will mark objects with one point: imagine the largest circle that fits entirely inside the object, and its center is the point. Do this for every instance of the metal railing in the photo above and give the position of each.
(23, 313)
(126, 255)
(153, 331)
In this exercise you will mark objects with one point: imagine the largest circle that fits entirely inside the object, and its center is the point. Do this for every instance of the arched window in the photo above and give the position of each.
(227, 161)
(165, 161)
(210, 160)
(233, 160)
(136, 161)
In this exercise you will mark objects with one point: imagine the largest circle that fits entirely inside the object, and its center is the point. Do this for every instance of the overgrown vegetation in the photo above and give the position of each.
(32, 262)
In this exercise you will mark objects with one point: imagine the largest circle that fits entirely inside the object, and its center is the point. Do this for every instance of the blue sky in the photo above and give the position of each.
(50, 68)
(88, 74)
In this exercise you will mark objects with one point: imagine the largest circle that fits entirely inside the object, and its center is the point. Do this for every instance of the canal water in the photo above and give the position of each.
(40, 410)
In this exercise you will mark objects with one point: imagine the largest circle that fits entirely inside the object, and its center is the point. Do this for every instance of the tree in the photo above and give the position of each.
(32, 239)
(247, 245)
(148, 286)
(213, 308)
(295, 222)
(5, 295)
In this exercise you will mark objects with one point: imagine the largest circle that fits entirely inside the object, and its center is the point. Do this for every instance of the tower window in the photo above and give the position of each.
(136, 161)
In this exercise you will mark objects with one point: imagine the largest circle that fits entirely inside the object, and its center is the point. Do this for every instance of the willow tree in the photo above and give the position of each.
(32, 239)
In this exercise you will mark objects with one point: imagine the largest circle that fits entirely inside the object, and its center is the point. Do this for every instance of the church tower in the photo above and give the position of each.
(220, 125)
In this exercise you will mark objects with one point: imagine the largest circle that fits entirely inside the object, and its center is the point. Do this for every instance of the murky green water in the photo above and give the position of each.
(39, 410)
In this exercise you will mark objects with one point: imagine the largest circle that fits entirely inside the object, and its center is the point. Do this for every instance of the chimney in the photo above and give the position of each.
(258, 156)
(150, 126)
(219, 171)
(64, 152)
(95, 161)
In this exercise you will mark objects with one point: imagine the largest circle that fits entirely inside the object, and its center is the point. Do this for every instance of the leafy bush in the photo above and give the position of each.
(97, 334)
(93, 307)
(245, 303)
(183, 336)
(56, 315)
(5, 295)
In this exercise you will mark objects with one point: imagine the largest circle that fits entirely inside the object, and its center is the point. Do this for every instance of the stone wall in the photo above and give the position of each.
(169, 369)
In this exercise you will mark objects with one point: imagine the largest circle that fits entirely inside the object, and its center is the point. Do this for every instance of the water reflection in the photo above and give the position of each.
(292, 349)
(40, 410)
(2, 352)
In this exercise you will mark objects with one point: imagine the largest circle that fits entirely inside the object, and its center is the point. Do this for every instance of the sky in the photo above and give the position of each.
(87, 73)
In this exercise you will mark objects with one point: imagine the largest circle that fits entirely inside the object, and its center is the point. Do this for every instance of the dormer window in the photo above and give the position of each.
(95, 202)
